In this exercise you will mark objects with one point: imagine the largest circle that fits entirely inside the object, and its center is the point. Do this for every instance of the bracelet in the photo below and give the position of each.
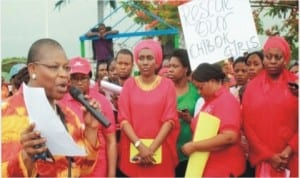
(137, 143)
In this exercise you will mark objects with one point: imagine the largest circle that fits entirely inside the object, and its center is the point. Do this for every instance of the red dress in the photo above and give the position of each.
(146, 111)
(270, 113)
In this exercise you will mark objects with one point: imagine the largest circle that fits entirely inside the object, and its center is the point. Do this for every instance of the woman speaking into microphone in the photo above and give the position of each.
(49, 69)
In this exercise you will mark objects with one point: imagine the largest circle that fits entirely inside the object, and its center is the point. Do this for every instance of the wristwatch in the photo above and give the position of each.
(137, 143)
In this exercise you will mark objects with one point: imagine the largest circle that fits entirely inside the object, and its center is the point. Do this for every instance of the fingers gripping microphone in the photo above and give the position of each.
(78, 95)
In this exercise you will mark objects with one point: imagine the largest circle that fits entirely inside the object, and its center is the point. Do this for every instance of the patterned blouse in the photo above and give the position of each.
(15, 119)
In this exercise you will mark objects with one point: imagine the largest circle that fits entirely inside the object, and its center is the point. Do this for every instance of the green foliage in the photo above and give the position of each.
(288, 11)
(7, 63)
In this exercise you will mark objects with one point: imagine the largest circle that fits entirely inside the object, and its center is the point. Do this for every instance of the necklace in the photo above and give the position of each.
(147, 86)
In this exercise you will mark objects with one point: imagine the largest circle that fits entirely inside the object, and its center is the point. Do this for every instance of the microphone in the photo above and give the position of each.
(78, 95)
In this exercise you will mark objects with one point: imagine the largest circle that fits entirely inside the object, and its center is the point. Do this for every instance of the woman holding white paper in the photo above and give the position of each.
(48, 69)
(148, 118)
(226, 156)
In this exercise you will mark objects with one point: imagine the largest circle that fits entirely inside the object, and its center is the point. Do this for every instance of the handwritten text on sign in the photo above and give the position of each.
(217, 29)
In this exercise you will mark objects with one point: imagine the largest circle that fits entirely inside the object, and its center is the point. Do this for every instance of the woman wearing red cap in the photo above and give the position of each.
(270, 112)
(80, 76)
(148, 118)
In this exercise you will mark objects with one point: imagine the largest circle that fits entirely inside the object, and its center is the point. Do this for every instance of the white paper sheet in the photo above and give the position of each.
(49, 124)
(110, 87)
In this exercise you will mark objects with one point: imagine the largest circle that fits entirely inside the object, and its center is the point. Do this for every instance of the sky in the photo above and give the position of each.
(25, 21)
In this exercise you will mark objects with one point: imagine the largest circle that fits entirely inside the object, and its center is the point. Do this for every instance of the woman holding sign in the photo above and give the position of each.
(148, 118)
(226, 156)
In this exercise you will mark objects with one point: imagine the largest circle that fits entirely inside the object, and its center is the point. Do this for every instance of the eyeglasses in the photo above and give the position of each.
(79, 79)
(277, 57)
(55, 67)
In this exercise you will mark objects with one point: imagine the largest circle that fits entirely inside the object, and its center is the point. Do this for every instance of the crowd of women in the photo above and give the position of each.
(154, 117)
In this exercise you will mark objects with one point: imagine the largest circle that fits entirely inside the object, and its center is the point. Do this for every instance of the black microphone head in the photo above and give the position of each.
(75, 92)
(78, 95)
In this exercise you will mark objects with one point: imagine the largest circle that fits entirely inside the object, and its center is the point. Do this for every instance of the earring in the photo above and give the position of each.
(33, 76)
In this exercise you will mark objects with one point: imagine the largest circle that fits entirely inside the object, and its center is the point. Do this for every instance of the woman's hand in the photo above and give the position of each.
(32, 143)
(145, 156)
(285, 156)
(277, 162)
(185, 115)
(188, 148)
(89, 120)
(91, 123)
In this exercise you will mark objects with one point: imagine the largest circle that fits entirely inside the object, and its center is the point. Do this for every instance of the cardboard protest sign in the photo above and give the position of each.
(217, 29)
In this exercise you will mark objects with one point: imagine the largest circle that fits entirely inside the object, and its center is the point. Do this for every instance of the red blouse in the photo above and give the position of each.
(229, 161)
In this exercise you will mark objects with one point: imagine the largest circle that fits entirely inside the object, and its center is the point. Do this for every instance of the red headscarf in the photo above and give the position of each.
(280, 43)
(153, 46)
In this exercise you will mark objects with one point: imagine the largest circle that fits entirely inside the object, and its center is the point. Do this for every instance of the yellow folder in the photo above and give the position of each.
(147, 142)
(207, 127)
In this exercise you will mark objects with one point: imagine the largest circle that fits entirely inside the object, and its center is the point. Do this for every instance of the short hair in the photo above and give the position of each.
(183, 57)
(205, 72)
(240, 59)
(110, 62)
(125, 51)
(258, 53)
(97, 66)
(35, 51)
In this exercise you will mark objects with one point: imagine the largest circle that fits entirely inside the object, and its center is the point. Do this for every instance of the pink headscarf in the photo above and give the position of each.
(280, 43)
(153, 46)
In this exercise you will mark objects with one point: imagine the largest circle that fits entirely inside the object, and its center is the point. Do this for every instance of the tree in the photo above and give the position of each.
(7, 63)
(287, 10)
(166, 10)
